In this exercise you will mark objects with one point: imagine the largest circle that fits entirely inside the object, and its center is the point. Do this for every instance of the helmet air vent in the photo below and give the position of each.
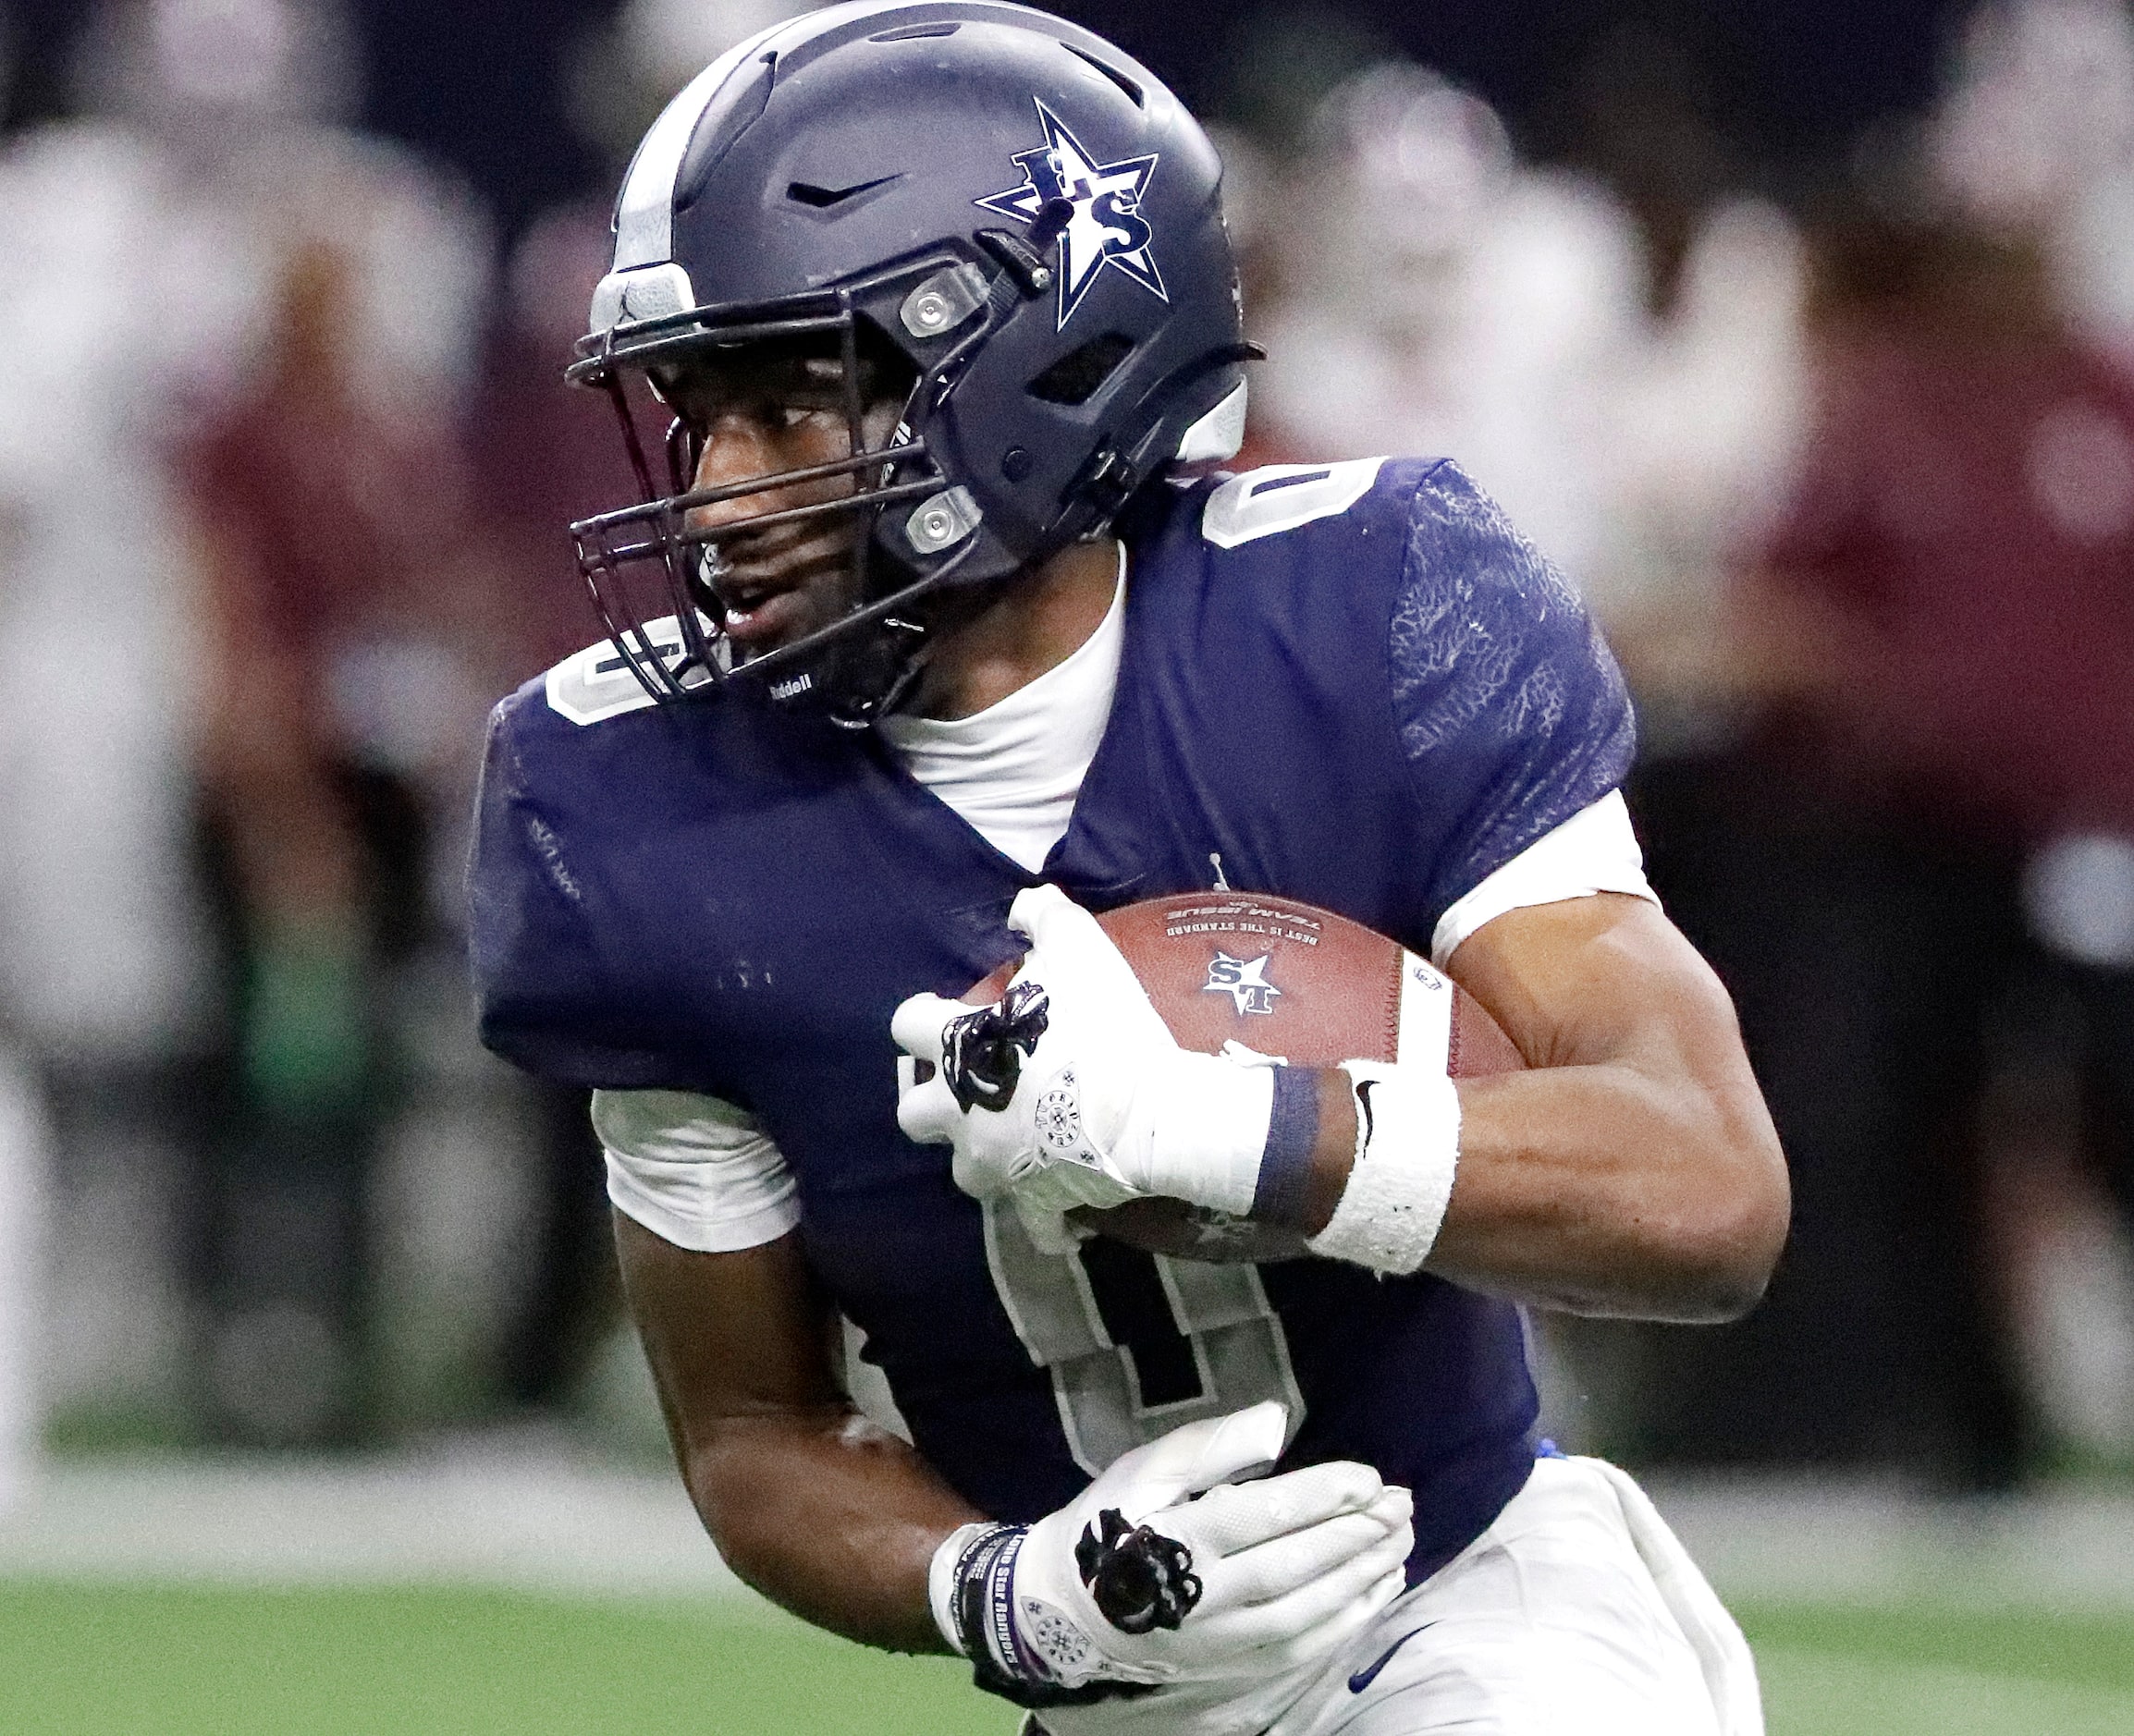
(1077, 375)
(1119, 78)
(911, 32)
(822, 198)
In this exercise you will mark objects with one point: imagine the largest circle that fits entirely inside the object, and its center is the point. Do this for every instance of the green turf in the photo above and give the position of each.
(88, 1660)
(1920, 1670)
(2096, 1651)
(101, 1661)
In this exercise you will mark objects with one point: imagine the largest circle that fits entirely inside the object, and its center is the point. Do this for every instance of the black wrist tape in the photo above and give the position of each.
(1284, 1182)
(984, 1615)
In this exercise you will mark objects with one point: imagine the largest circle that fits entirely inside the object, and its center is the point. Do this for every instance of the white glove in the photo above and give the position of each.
(1133, 1582)
(1072, 1091)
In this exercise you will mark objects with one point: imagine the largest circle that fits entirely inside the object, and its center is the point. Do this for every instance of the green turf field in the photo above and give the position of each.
(95, 1661)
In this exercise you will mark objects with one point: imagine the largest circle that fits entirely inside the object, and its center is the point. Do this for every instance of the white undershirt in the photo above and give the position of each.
(703, 1174)
(1014, 770)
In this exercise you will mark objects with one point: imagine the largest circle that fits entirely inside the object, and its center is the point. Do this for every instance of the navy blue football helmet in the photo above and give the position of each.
(1017, 217)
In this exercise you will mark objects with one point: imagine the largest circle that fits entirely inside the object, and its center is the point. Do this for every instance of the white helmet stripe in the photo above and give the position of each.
(644, 219)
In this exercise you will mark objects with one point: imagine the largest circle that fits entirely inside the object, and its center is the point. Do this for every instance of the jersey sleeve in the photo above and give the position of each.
(696, 1170)
(1595, 851)
(544, 993)
(1511, 712)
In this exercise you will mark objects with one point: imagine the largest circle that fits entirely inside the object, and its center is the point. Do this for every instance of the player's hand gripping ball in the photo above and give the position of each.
(1062, 1094)
(1129, 1053)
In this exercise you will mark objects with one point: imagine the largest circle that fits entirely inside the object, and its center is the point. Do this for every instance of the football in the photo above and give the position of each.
(1289, 981)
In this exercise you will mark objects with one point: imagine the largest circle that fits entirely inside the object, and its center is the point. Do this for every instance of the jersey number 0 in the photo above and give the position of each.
(1137, 1344)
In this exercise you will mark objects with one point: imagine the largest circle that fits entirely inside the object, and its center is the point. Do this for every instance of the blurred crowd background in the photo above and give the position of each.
(1800, 334)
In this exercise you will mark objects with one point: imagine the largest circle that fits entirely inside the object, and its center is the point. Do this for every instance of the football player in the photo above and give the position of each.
(933, 639)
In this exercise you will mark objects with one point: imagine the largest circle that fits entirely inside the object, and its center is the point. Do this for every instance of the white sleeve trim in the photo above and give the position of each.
(1594, 850)
(695, 1170)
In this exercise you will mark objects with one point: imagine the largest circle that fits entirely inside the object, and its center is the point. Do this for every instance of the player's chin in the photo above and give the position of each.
(765, 612)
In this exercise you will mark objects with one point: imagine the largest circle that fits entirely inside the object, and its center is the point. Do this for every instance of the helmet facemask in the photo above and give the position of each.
(915, 537)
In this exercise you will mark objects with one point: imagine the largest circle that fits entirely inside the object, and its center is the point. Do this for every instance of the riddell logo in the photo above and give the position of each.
(1243, 980)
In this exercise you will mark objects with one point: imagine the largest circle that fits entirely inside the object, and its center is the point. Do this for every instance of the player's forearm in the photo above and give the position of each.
(1633, 1169)
(810, 1504)
(831, 1517)
(1601, 1190)
(1596, 1189)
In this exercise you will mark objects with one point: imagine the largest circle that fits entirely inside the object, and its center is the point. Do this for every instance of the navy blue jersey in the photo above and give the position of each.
(1352, 684)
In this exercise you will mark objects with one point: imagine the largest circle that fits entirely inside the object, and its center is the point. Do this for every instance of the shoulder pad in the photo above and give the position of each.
(1280, 497)
(593, 685)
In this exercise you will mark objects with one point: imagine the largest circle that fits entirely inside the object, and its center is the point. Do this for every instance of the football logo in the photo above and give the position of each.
(1107, 226)
(1243, 980)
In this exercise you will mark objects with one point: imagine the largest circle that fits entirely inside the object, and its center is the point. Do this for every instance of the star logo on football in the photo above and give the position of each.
(1243, 980)
(1107, 226)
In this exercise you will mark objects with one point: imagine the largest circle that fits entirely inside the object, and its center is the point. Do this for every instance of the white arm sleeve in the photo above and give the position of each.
(694, 1169)
(1594, 850)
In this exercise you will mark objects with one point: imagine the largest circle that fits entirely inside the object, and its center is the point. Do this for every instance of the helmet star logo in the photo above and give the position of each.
(1107, 226)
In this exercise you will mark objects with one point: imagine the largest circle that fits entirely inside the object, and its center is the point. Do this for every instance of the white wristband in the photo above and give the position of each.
(941, 1579)
(1407, 1146)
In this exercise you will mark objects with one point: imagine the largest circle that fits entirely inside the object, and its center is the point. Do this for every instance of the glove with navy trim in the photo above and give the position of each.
(1136, 1582)
(1072, 1091)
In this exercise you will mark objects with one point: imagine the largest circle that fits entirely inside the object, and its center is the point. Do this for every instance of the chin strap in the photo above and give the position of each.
(829, 671)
